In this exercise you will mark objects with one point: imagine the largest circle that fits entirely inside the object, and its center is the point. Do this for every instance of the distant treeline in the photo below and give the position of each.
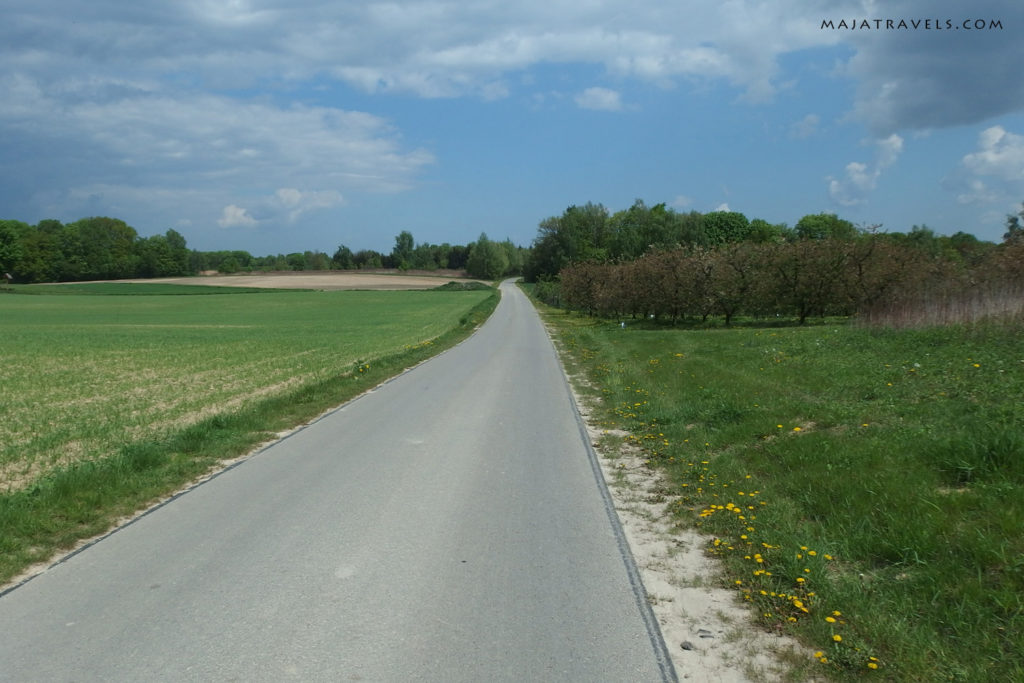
(101, 248)
(656, 262)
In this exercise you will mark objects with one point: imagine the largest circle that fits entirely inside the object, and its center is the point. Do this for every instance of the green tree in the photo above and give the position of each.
(457, 257)
(487, 259)
(514, 255)
(1014, 232)
(11, 236)
(725, 227)
(179, 252)
(763, 232)
(107, 248)
(579, 234)
(402, 252)
(821, 226)
(367, 258)
(343, 258)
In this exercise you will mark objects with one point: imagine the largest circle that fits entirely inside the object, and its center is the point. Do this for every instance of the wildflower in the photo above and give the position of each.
(838, 638)
(830, 620)
(872, 665)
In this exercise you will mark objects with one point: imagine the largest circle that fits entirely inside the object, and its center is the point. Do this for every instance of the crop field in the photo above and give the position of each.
(83, 375)
(864, 489)
(111, 402)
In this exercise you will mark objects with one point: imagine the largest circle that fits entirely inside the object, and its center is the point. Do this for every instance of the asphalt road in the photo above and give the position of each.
(448, 526)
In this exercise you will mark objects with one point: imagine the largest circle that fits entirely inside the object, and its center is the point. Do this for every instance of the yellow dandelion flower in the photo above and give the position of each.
(838, 638)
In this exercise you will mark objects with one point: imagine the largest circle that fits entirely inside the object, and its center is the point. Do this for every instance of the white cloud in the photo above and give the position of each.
(235, 216)
(994, 173)
(859, 179)
(1000, 154)
(601, 99)
(297, 202)
(424, 47)
(723, 207)
(186, 155)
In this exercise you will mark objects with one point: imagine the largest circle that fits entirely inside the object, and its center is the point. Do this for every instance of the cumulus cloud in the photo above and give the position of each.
(601, 99)
(906, 79)
(1000, 154)
(297, 202)
(422, 47)
(859, 179)
(235, 216)
(994, 173)
(186, 154)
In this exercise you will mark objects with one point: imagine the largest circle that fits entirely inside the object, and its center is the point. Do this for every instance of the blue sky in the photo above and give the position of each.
(276, 126)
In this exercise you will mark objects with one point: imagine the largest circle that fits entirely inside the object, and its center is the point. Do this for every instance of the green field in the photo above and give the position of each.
(863, 489)
(99, 386)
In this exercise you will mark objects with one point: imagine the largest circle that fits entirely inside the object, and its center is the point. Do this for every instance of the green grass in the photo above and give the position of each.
(862, 484)
(111, 402)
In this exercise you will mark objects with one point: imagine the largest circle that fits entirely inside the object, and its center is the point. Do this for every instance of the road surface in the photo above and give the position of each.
(448, 526)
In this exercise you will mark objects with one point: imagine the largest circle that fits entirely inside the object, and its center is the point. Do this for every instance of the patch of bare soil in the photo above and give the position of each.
(322, 280)
(711, 636)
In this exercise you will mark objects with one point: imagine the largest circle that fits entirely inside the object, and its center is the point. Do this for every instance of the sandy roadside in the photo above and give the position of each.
(710, 635)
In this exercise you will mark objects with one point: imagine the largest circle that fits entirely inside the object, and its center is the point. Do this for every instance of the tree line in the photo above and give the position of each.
(653, 262)
(102, 248)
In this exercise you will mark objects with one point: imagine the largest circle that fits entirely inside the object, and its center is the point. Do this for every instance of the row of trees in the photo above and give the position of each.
(823, 266)
(88, 249)
(592, 233)
(796, 279)
(102, 248)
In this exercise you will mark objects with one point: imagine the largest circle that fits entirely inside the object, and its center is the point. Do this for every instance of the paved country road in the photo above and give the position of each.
(448, 526)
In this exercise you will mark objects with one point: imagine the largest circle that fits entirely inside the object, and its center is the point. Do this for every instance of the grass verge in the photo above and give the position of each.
(85, 498)
(863, 489)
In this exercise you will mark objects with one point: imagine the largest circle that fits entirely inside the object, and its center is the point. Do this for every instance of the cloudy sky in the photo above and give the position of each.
(286, 125)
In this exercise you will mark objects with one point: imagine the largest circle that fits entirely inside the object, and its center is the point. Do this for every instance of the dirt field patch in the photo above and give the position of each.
(323, 280)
